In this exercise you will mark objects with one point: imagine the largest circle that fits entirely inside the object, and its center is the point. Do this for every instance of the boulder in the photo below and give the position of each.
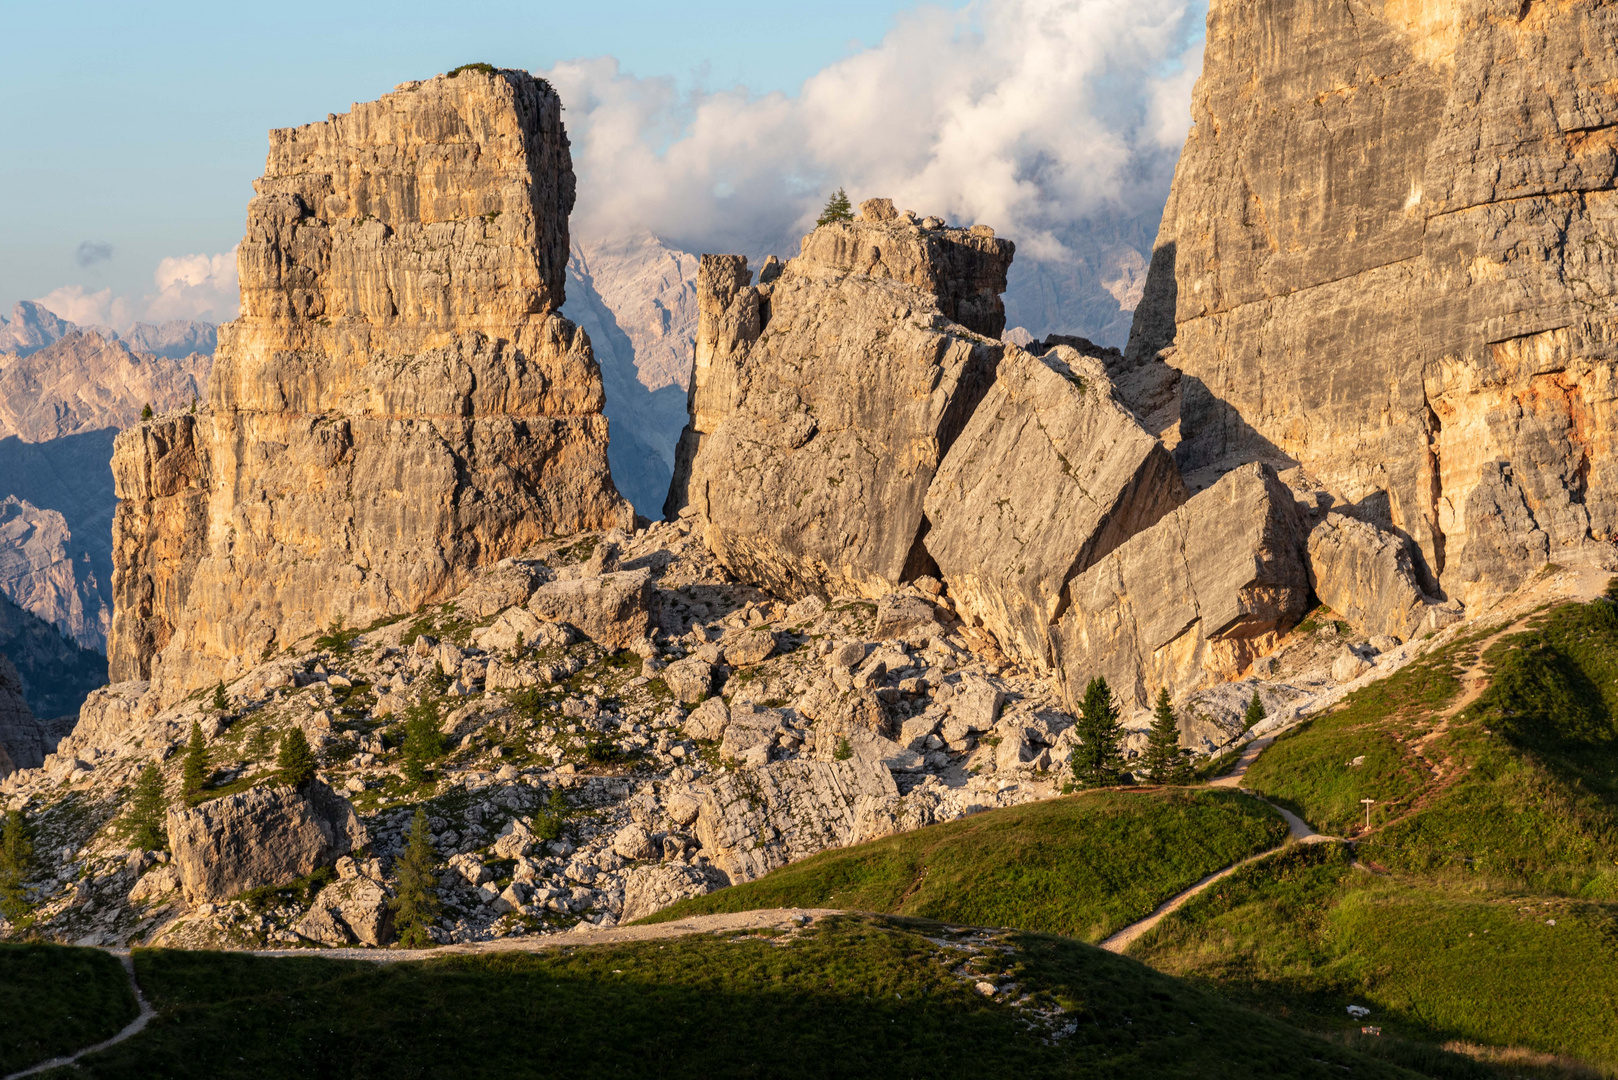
(633, 843)
(515, 840)
(269, 835)
(1050, 474)
(354, 909)
(1194, 599)
(744, 648)
(517, 623)
(156, 883)
(822, 402)
(906, 618)
(613, 610)
(649, 889)
(1367, 576)
(707, 721)
(753, 820)
(749, 727)
(689, 680)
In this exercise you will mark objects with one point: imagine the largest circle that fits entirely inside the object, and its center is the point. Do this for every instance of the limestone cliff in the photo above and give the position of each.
(824, 397)
(399, 402)
(1388, 257)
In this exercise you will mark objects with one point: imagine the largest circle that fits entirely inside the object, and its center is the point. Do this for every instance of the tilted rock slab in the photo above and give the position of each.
(399, 402)
(823, 400)
(1368, 577)
(1387, 257)
(269, 835)
(1192, 600)
(758, 818)
(1050, 474)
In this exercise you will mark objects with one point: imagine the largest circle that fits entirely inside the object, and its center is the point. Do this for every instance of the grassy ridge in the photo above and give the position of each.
(851, 997)
(55, 999)
(1520, 788)
(1083, 866)
(1302, 935)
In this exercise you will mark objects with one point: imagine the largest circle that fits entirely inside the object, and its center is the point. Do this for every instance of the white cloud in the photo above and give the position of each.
(200, 287)
(1029, 115)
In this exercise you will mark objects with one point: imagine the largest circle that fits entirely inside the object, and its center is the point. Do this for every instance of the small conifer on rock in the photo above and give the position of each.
(838, 208)
(148, 811)
(194, 773)
(16, 860)
(415, 904)
(295, 760)
(1255, 713)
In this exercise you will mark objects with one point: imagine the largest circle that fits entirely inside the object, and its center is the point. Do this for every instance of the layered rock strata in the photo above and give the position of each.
(1196, 598)
(1049, 475)
(824, 398)
(399, 402)
(1387, 258)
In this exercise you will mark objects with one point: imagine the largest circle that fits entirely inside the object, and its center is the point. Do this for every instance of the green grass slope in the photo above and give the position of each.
(1304, 934)
(55, 999)
(853, 996)
(1083, 866)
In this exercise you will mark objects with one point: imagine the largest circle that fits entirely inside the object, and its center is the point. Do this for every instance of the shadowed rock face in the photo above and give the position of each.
(399, 402)
(1387, 258)
(824, 398)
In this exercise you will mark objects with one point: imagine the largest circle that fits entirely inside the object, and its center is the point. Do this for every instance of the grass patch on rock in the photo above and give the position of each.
(1082, 866)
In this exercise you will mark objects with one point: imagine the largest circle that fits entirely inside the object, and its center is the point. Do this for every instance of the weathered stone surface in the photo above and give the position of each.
(707, 721)
(399, 402)
(87, 380)
(689, 680)
(748, 647)
(354, 909)
(1050, 474)
(653, 888)
(756, 819)
(1368, 577)
(822, 402)
(154, 885)
(613, 610)
(1195, 598)
(750, 727)
(263, 836)
(1387, 258)
(905, 618)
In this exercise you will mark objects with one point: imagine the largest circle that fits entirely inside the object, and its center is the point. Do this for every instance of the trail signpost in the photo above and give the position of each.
(1367, 803)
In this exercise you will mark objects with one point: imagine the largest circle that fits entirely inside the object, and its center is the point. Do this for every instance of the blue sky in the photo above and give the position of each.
(142, 126)
(132, 133)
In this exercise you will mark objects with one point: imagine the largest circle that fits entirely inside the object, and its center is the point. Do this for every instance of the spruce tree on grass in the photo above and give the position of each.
(194, 773)
(295, 760)
(147, 823)
(1255, 713)
(415, 904)
(838, 208)
(1097, 762)
(16, 860)
(1163, 758)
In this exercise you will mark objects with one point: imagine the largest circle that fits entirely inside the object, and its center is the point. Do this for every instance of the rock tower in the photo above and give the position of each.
(399, 402)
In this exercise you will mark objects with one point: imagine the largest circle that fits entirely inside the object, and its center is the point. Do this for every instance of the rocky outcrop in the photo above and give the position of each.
(352, 909)
(1368, 577)
(824, 398)
(399, 402)
(1196, 598)
(1387, 258)
(758, 818)
(269, 835)
(19, 730)
(611, 609)
(1049, 475)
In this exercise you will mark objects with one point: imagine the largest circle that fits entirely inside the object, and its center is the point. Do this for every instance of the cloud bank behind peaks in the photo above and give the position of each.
(199, 287)
(1056, 121)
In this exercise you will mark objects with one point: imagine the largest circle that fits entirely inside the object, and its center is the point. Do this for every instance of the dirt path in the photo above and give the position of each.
(134, 1027)
(765, 919)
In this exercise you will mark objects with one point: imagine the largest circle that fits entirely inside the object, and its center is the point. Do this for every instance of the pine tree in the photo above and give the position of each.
(1255, 712)
(1163, 758)
(1098, 760)
(423, 744)
(16, 859)
(148, 811)
(221, 703)
(146, 413)
(295, 760)
(838, 208)
(195, 771)
(415, 904)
